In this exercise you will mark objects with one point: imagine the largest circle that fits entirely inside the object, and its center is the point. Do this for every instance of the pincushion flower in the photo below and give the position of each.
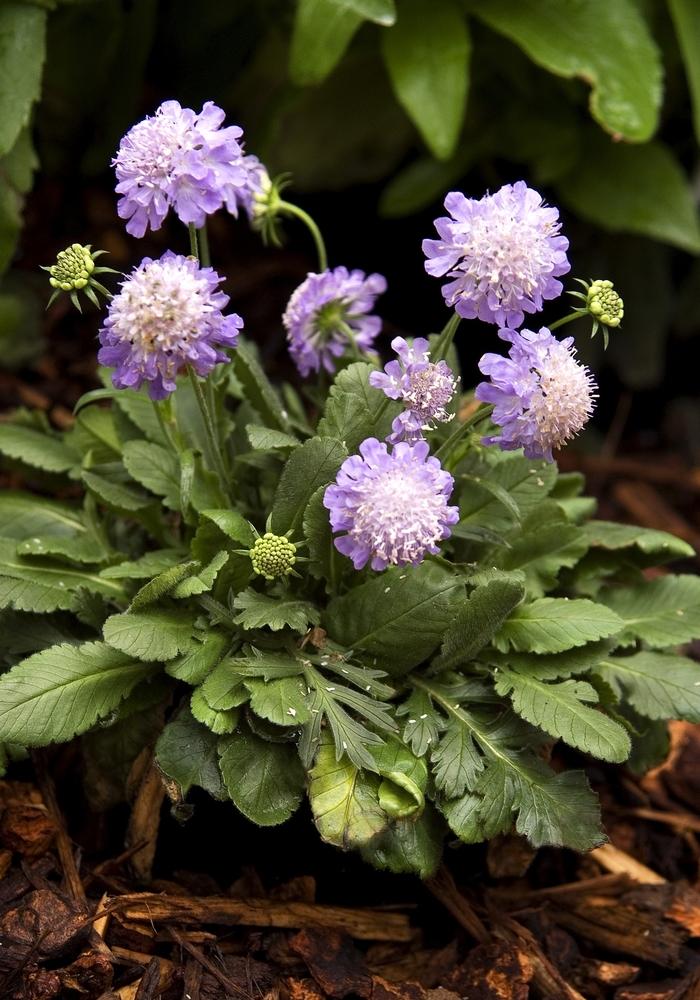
(543, 396)
(392, 505)
(503, 253)
(330, 312)
(424, 387)
(182, 160)
(167, 315)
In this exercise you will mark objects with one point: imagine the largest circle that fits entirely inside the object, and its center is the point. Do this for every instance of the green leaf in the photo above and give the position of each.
(23, 515)
(232, 524)
(140, 411)
(428, 63)
(113, 486)
(544, 545)
(559, 710)
(187, 754)
(313, 464)
(155, 468)
(661, 612)
(22, 51)
(262, 611)
(398, 617)
(553, 624)
(203, 580)
(409, 846)
(321, 34)
(456, 760)
(555, 666)
(382, 12)
(280, 701)
(324, 559)
(200, 660)
(148, 565)
(422, 724)
(344, 801)
(606, 44)
(657, 685)
(223, 689)
(526, 480)
(150, 635)
(161, 585)
(257, 387)
(477, 621)
(654, 546)
(686, 19)
(34, 448)
(355, 410)
(73, 550)
(634, 189)
(401, 793)
(220, 721)
(267, 439)
(63, 691)
(265, 780)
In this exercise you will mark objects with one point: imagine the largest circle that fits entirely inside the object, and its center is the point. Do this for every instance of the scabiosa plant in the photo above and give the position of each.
(425, 388)
(330, 313)
(503, 252)
(166, 317)
(181, 160)
(542, 395)
(393, 505)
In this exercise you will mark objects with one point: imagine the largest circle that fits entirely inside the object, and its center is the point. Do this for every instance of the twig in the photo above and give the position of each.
(209, 966)
(616, 861)
(145, 821)
(71, 875)
(443, 887)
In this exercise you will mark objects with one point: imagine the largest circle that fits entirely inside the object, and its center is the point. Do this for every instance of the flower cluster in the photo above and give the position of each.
(425, 388)
(392, 505)
(167, 316)
(503, 253)
(273, 556)
(542, 395)
(182, 160)
(328, 314)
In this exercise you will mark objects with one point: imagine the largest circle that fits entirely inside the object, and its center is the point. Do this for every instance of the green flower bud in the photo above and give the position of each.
(74, 271)
(604, 304)
(273, 556)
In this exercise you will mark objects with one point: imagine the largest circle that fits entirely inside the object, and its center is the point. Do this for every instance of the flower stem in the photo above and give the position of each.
(194, 249)
(286, 207)
(444, 341)
(210, 429)
(565, 319)
(462, 430)
(204, 255)
(167, 433)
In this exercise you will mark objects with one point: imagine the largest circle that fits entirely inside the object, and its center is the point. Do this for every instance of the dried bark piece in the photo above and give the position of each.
(334, 962)
(42, 925)
(497, 971)
(91, 973)
(426, 966)
(303, 989)
(678, 777)
(27, 829)
(509, 856)
(39, 984)
(144, 821)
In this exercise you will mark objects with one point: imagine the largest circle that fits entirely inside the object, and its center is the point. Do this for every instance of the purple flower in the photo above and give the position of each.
(257, 186)
(179, 159)
(167, 315)
(328, 313)
(392, 505)
(542, 395)
(425, 388)
(503, 252)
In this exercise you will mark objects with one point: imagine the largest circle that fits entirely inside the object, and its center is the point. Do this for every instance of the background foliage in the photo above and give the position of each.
(597, 103)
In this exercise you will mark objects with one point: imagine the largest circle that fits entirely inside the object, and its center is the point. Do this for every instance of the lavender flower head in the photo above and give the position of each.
(328, 313)
(393, 506)
(424, 387)
(257, 187)
(167, 315)
(503, 253)
(182, 160)
(543, 396)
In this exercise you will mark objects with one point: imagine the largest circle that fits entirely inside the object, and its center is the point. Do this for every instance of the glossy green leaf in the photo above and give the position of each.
(264, 780)
(355, 410)
(39, 450)
(344, 801)
(553, 624)
(22, 50)
(187, 754)
(310, 466)
(657, 685)
(322, 32)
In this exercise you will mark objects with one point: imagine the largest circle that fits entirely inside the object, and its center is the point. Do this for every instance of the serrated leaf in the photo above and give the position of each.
(262, 611)
(554, 666)
(324, 559)
(655, 546)
(657, 685)
(477, 621)
(607, 45)
(140, 410)
(36, 449)
(661, 612)
(148, 565)
(257, 387)
(80, 549)
(280, 701)
(265, 780)
(310, 466)
(156, 468)
(399, 617)
(344, 801)
(546, 544)
(187, 754)
(155, 634)
(428, 63)
(202, 580)
(22, 52)
(223, 689)
(23, 515)
(112, 485)
(161, 585)
(559, 709)
(220, 721)
(63, 691)
(201, 658)
(456, 760)
(527, 481)
(552, 624)
(409, 846)
(421, 727)
(268, 439)
(232, 524)
(355, 410)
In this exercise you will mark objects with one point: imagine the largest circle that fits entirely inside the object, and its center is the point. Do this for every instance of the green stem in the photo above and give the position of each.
(204, 255)
(167, 434)
(444, 341)
(210, 429)
(565, 319)
(194, 249)
(458, 433)
(290, 209)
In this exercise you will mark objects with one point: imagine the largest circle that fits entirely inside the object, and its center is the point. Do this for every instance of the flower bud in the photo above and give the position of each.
(273, 556)
(74, 271)
(603, 303)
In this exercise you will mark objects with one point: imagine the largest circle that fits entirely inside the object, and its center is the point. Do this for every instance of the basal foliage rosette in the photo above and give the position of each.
(390, 602)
